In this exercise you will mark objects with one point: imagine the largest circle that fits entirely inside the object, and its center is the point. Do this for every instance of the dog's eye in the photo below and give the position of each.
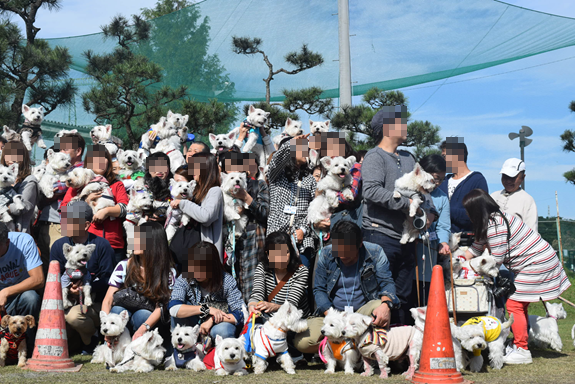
(226, 348)
(237, 348)
(187, 334)
(112, 322)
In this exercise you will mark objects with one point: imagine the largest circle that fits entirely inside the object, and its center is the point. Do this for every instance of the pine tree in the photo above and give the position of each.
(31, 72)
(568, 139)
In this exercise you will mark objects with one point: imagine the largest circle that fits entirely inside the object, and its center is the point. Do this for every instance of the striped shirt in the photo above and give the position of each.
(538, 272)
(293, 291)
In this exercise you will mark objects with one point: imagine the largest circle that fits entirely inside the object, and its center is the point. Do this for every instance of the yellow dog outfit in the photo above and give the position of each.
(491, 328)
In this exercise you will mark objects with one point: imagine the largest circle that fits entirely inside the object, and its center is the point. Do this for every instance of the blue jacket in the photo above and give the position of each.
(376, 280)
(442, 226)
(459, 220)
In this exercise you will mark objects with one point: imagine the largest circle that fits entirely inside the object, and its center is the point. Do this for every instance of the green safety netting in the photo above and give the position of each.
(394, 44)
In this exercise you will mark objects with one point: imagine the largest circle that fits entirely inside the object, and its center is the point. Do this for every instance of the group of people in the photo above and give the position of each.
(205, 275)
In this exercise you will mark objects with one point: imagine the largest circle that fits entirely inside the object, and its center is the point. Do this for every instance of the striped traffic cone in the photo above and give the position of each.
(51, 347)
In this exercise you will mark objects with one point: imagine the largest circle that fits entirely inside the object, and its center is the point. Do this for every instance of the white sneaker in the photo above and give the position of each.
(510, 349)
(519, 356)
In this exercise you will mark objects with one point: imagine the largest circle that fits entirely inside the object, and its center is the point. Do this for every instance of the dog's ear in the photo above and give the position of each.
(125, 316)
(66, 248)
(25, 108)
(417, 169)
(30, 321)
(326, 162)
(6, 129)
(185, 119)
(41, 109)
(367, 320)
(232, 135)
(102, 315)
(173, 182)
(91, 248)
(251, 109)
(5, 321)
(50, 152)
(351, 160)
(267, 114)
(108, 128)
(170, 114)
(212, 137)
(311, 122)
(242, 339)
(219, 339)
(196, 329)
(288, 121)
(119, 152)
(327, 123)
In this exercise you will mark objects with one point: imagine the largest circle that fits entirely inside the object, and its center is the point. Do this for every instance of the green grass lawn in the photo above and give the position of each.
(548, 367)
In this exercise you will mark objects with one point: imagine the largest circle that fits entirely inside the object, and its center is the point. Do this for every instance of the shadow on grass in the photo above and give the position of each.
(547, 354)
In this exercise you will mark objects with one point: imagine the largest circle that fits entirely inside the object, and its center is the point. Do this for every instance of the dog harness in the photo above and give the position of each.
(253, 129)
(7, 196)
(266, 346)
(491, 328)
(181, 358)
(13, 343)
(337, 349)
(73, 274)
(28, 126)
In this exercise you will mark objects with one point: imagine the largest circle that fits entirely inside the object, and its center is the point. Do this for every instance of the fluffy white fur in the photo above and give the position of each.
(130, 161)
(164, 130)
(544, 332)
(63, 132)
(337, 179)
(140, 201)
(8, 212)
(233, 180)
(112, 326)
(179, 190)
(257, 118)
(142, 354)
(317, 127)
(102, 134)
(34, 116)
(177, 159)
(222, 142)
(229, 356)
(77, 256)
(82, 178)
(58, 165)
(333, 328)
(184, 339)
(292, 129)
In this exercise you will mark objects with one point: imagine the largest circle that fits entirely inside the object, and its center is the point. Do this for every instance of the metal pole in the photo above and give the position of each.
(344, 53)
(559, 229)
(522, 146)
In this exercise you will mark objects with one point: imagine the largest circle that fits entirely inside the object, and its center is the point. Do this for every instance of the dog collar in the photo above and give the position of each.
(473, 269)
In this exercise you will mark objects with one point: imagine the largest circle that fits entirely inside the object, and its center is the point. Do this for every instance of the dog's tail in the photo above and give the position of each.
(508, 323)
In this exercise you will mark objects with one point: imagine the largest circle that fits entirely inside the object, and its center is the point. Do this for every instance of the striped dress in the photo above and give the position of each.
(538, 271)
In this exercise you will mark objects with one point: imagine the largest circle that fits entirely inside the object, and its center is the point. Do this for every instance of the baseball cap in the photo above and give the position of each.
(78, 210)
(512, 167)
(387, 115)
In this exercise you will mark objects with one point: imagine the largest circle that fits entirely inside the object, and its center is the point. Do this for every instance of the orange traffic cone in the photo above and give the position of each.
(51, 347)
(437, 362)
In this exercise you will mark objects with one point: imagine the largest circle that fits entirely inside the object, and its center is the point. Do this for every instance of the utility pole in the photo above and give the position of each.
(344, 53)
(524, 132)
(559, 229)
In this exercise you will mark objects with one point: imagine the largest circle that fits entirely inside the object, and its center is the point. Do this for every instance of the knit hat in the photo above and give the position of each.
(387, 115)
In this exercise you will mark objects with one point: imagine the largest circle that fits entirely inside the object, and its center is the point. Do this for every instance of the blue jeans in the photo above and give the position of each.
(26, 303)
(225, 330)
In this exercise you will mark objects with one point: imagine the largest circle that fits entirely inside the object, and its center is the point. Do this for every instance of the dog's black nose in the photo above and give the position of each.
(322, 332)
(233, 355)
(5, 179)
(18, 329)
(179, 339)
(105, 330)
(343, 333)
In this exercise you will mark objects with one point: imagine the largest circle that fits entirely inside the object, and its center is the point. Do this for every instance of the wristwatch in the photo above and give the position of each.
(389, 303)
(147, 326)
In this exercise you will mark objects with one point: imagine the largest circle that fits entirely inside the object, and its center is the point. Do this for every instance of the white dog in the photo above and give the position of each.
(316, 127)
(11, 203)
(86, 181)
(77, 256)
(337, 349)
(63, 132)
(102, 134)
(140, 200)
(233, 181)
(162, 130)
(117, 338)
(222, 142)
(338, 179)
(229, 356)
(270, 339)
(544, 332)
(31, 131)
(130, 161)
(58, 165)
(177, 159)
(381, 345)
(253, 142)
(479, 333)
(292, 129)
(142, 354)
(413, 185)
(178, 190)
(186, 354)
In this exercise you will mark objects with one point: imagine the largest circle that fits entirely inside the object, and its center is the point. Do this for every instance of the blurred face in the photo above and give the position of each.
(99, 163)
(278, 256)
(345, 250)
(397, 130)
(198, 266)
(196, 166)
(335, 147)
(234, 165)
(179, 178)
(1, 146)
(13, 157)
(67, 146)
(194, 148)
(72, 227)
(251, 167)
(512, 184)
(299, 150)
(116, 167)
(140, 240)
(454, 157)
(159, 168)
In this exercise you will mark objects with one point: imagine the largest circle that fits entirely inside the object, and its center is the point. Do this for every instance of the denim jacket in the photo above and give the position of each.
(375, 275)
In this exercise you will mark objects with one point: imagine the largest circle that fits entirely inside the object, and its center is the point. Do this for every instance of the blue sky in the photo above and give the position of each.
(482, 110)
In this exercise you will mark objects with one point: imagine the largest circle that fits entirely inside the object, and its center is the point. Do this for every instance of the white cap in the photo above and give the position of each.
(512, 167)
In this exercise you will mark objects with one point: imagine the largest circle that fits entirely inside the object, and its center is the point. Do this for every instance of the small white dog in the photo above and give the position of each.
(317, 127)
(63, 132)
(177, 159)
(253, 142)
(292, 129)
(179, 190)
(544, 332)
(77, 256)
(57, 167)
(113, 327)
(186, 354)
(413, 185)
(130, 161)
(223, 141)
(163, 130)
(270, 339)
(102, 134)
(229, 356)
(479, 333)
(142, 354)
(140, 200)
(482, 266)
(31, 131)
(337, 349)
(338, 179)
(232, 181)
(11, 203)
(86, 181)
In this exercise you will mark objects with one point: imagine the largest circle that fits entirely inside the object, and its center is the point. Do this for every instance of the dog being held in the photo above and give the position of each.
(479, 333)
(87, 182)
(256, 119)
(76, 274)
(186, 354)
(337, 179)
(183, 191)
(381, 345)
(31, 131)
(142, 354)
(543, 331)
(292, 129)
(337, 349)
(130, 164)
(318, 127)
(11, 203)
(229, 356)
(413, 185)
(56, 169)
(163, 130)
(231, 182)
(13, 339)
(102, 134)
(116, 337)
(140, 200)
(270, 339)
(222, 142)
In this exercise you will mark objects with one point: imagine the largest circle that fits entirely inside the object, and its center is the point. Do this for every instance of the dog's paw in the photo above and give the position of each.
(290, 371)
(329, 371)
(396, 195)
(349, 371)
(366, 373)
(42, 145)
(383, 374)
(22, 364)
(114, 370)
(171, 368)
(221, 372)
(241, 372)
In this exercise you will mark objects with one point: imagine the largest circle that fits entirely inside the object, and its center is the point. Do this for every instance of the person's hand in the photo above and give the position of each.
(240, 209)
(175, 203)
(139, 332)
(382, 314)
(444, 249)
(152, 136)
(238, 193)
(243, 132)
(299, 235)
(252, 309)
(217, 314)
(3, 299)
(301, 137)
(263, 132)
(112, 341)
(100, 216)
(206, 326)
(93, 196)
(264, 306)
(75, 288)
(323, 225)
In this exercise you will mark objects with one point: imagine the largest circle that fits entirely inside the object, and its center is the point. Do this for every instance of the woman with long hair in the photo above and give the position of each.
(158, 176)
(150, 272)
(538, 271)
(15, 152)
(107, 222)
(206, 207)
(207, 295)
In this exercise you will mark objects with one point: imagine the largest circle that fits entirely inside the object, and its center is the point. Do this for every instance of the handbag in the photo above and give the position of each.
(471, 296)
(131, 300)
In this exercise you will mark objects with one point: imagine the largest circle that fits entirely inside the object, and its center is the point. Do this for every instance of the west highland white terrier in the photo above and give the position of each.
(186, 354)
(543, 331)
(379, 344)
(86, 181)
(179, 122)
(222, 142)
(338, 179)
(292, 129)
(102, 134)
(177, 159)
(140, 200)
(318, 127)
(142, 354)
(31, 131)
(13, 339)
(229, 356)
(337, 349)
(270, 338)
(253, 142)
(163, 130)
(56, 169)
(63, 132)
(11, 203)
(130, 162)
(77, 256)
(117, 337)
(230, 182)
(183, 191)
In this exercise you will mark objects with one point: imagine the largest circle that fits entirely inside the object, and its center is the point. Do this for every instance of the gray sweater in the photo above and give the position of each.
(29, 191)
(379, 170)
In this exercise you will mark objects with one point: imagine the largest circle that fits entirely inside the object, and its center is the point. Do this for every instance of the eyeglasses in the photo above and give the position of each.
(438, 180)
